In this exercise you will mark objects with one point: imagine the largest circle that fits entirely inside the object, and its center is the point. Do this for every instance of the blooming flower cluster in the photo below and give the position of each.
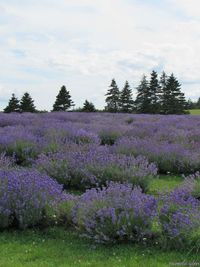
(192, 184)
(95, 166)
(171, 142)
(179, 214)
(115, 213)
(117, 153)
(25, 195)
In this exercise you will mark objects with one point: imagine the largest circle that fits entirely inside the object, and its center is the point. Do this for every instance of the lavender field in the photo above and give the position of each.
(108, 161)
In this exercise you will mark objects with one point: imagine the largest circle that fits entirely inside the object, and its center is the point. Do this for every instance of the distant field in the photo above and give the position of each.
(195, 111)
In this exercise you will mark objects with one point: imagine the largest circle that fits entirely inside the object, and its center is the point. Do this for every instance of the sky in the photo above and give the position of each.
(83, 44)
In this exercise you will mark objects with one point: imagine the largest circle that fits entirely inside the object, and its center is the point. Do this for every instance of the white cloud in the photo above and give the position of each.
(85, 43)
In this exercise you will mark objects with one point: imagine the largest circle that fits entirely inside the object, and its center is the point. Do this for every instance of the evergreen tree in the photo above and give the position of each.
(174, 99)
(143, 99)
(126, 100)
(164, 93)
(198, 103)
(88, 107)
(13, 105)
(190, 104)
(27, 103)
(63, 100)
(113, 98)
(155, 93)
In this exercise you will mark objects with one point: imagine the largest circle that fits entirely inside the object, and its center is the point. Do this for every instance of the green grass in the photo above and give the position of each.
(194, 111)
(163, 183)
(58, 247)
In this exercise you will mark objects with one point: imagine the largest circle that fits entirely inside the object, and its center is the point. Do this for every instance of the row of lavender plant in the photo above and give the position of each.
(120, 212)
(171, 142)
(113, 213)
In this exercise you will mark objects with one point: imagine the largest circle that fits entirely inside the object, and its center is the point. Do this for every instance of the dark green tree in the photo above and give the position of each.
(198, 103)
(113, 98)
(164, 93)
(63, 100)
(88, 107)
(174, 99)
(190, 104)
(143, 99)
(126, 99)
(27, 103)
(155, 93)
(13, 105)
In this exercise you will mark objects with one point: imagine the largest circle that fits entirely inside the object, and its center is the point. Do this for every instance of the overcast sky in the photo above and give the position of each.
(83, 44)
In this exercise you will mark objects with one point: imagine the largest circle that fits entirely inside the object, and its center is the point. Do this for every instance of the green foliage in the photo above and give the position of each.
(196, 189)
(13, 105)
(23, 152)
(109, 137)
(143, 102)
(63, 100)
(27, 103)
(154, 91)
(162, 96)
(88, 107)
(113, 98)
(126, 100)
(173, 100)
(129, 120)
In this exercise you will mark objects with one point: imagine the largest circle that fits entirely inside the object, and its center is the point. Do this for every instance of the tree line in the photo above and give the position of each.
(158, 95)
(63, 102)
(193, 105)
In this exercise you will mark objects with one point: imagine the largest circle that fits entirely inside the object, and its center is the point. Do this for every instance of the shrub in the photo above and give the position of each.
(95, 167)
(82, 136)
(56, 166)
(179, 216)
(25, 196)
(19, 143)
(109, 137)
(129, 120)
(169, 157)
(6, 162)
(115, 213)
(192, 184)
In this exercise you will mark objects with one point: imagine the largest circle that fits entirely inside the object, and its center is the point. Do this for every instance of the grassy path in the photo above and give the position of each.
(58, 247)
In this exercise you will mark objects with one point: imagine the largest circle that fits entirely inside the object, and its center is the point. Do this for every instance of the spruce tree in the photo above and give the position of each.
(143, 99)
(174, 99)
(126, 99)
(155, 93)
(164, 93)
(27, 103)
(63, 100)
(88, 107)
(190, 104)
(198, 103)
(13, 105)
(113, 98)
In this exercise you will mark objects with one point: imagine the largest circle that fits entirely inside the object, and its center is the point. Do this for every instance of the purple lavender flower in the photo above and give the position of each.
(179, 214)
(25, 195)
(117, 212)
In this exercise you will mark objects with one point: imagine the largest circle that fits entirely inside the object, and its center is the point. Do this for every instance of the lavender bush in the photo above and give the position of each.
(6, 162)
(169, 157)
(179, 215)
(25, 196)
(192, 185)
(115, 213)
(171, 142)
(95, 166)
